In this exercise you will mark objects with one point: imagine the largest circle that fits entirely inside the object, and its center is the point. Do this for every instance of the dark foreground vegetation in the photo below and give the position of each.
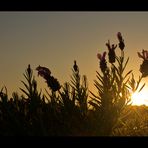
(72, 109)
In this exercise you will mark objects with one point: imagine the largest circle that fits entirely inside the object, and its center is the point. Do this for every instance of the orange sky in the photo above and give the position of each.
(56, 39)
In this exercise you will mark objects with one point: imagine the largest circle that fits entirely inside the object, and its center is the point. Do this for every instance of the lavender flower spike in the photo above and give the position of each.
(144, 65)
(121, 41)
(103, 63)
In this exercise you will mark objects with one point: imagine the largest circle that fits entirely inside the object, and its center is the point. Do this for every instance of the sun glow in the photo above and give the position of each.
(140, 98)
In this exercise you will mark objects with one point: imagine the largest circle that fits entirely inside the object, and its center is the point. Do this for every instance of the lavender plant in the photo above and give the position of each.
(66, 111)
(113, 88)
(71, 101)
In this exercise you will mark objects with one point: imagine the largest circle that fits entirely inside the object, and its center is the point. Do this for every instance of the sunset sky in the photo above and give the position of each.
(56, 39)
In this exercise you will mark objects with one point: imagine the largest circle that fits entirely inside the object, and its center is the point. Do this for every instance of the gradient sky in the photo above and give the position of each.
(56, 39)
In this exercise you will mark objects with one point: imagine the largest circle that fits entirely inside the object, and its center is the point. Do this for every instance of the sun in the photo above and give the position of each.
(140, 98)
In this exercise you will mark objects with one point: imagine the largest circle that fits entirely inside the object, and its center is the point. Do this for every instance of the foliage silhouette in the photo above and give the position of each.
(68, 110)
(113, 88)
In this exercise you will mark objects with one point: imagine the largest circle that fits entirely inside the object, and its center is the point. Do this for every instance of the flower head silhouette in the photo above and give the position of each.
(43, 71)
(103, 63)
(75, 66)
(144, 54)
(144, 65)
(111, 53)
(50, 80)
(121, 41)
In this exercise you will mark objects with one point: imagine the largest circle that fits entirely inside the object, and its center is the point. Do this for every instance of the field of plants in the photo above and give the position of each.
(71, 109)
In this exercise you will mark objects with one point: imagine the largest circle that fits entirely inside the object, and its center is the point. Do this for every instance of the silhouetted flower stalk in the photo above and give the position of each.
(113, 89)
(80, 90)
(31, 89)
(121, 41)
(75, 66)
(76, 72)
(50, 80)
(29, 70)
(103, 63)
(111, 53)
(144, 65)
(29, 77)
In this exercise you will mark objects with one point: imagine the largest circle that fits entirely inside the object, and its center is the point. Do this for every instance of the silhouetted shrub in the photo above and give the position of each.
(67, 110)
